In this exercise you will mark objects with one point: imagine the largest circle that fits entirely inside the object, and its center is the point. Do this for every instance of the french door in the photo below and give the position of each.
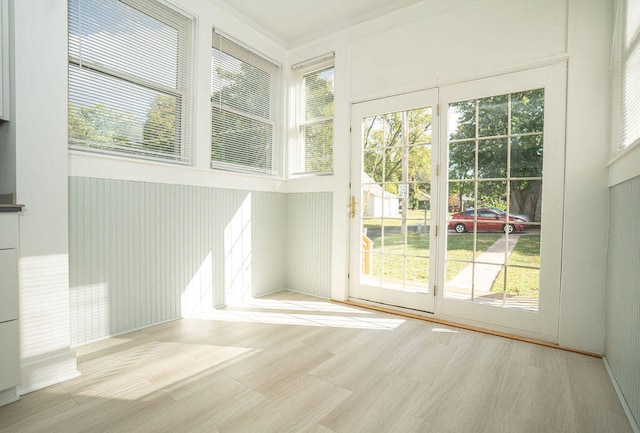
(394, 198)
(467, 223)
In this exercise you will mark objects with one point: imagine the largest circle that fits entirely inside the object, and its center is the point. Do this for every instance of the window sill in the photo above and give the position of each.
(85, 164)
(625, 165)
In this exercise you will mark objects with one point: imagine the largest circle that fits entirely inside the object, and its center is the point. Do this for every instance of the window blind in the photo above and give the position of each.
(627, 71)
(243, 89)
(130, 79)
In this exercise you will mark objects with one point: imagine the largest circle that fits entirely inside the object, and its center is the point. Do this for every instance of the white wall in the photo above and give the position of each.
(427, 45)
(584, 257)
(308, 247)
(143, 253)
(623, 292)
(39, 122)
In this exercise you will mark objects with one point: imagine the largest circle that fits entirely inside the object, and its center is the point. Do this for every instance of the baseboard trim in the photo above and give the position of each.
(48, 371)
(623, 401)
(9, 396)
(467, 327)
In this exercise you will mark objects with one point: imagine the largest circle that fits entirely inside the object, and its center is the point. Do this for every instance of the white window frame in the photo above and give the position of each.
(300, 71)
(253, 58)
(185, 26)
(622, 53)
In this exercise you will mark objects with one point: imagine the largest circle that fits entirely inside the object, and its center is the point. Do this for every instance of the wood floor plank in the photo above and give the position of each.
(289, 362)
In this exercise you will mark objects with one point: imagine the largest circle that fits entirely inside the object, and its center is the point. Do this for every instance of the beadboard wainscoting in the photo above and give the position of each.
(623, 291)
(309, 243)
(144, 253)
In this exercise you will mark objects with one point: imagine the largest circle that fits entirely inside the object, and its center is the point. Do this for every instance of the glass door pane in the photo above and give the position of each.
(495, 159)
(393, 172)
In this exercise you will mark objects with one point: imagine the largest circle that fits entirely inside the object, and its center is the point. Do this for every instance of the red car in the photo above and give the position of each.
(488, 220)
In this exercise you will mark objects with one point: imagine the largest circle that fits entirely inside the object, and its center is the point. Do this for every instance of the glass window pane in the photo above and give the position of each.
(419, 126)
(121, 116)
(318, 147)
(493, 116)
(486, 286)
(462, 120)
(392, 129)
(373, 133)
(393, 164)
(373, 165)
(527, 111)
(318, 91)
(460, 245)
(240, 141)
(376, 202)
(522, 288)
(120, 37)
(420, 203)
(492, 158)
(526, 200)
(492, 195)
(419, 167)
(462, 160)
(526, 156)
(417, 274)
(371, 268)
(526, 251)
(458, 276)
(393, 271)
(393, 239)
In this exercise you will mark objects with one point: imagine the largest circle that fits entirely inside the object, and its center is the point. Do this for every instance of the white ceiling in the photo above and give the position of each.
(294, 22)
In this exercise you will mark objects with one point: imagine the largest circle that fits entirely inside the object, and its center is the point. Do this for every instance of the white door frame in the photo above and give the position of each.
(544, 323)
(541, 324)
(422, 302)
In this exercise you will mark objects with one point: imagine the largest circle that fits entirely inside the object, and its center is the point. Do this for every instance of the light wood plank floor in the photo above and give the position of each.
(293, 363)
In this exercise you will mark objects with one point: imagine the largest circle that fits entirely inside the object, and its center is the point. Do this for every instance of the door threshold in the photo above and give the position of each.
(428, 317)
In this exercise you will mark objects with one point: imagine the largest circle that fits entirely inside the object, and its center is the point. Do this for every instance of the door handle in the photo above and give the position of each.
(352, 206)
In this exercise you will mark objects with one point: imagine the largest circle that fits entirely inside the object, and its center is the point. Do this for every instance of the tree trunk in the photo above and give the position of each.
(527, 200)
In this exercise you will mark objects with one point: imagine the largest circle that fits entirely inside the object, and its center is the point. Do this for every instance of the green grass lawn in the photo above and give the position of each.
(460, 247)
(521, 281)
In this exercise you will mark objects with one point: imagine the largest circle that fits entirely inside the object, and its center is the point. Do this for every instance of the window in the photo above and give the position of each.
(313, 152)
(626, 67)
(244, 86)
(129, 79)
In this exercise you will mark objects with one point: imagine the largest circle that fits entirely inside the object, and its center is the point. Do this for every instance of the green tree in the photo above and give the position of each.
(318, 137)
(99, 126)
(522, 154)
(384, 151)
(160, 132)
(397, 151)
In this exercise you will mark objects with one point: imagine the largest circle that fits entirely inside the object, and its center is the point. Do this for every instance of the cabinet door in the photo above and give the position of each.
(8, 286)
(8, 354)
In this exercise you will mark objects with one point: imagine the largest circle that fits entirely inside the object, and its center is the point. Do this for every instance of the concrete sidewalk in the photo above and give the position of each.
(487, 267)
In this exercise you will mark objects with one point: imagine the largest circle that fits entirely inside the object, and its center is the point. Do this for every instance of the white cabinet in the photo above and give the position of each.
(8, 286)
(9, 356)
(4, 60)
(9, 361)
